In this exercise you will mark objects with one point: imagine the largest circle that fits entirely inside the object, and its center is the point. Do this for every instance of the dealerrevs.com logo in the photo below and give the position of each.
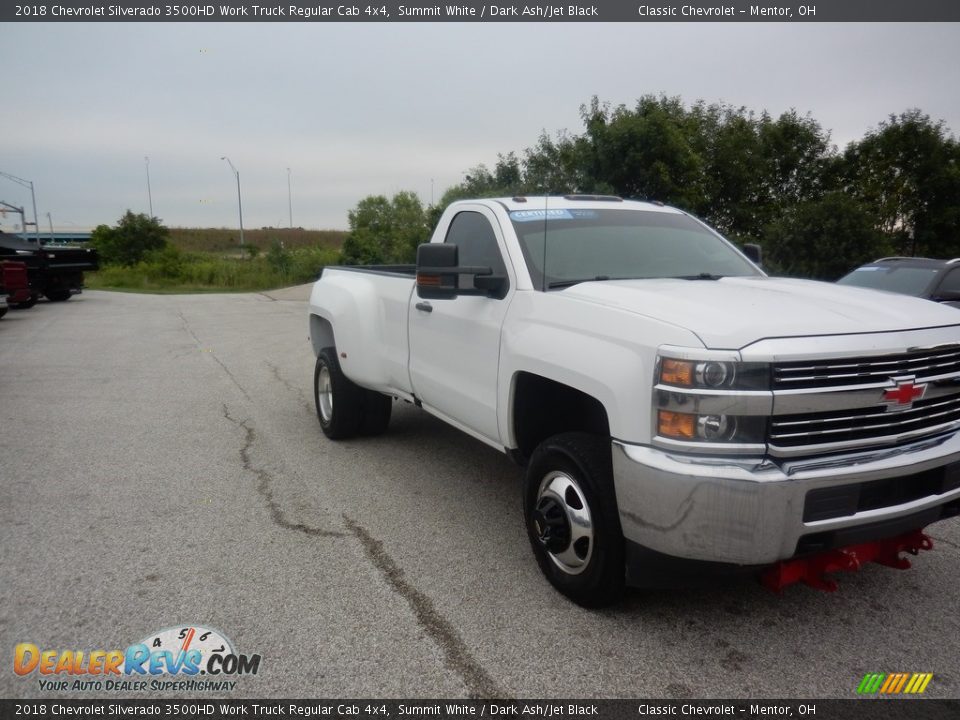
(190, 658)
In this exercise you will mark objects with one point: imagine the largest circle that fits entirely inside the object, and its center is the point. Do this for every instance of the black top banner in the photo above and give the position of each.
(477, 11)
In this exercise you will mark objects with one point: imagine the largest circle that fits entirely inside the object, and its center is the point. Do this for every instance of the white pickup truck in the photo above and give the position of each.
(675, 408)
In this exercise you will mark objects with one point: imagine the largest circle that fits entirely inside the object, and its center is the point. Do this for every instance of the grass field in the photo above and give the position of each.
(224, 240)
(211, 260)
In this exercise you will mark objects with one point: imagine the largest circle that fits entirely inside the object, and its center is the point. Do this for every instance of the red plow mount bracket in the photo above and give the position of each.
(813, 570)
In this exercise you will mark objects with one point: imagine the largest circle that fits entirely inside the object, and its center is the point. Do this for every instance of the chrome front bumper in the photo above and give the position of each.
(752, 513)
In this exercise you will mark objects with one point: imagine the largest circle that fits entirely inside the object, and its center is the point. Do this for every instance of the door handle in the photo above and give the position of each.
(425, 306)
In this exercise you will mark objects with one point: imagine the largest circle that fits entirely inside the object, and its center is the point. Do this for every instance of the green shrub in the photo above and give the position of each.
(173, 270)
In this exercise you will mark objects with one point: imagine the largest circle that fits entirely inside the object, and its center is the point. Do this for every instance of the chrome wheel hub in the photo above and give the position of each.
(562, 522)
(325, 394)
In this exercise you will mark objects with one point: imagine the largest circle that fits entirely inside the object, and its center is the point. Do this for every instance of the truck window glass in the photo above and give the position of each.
(473, 234)
(621, 244)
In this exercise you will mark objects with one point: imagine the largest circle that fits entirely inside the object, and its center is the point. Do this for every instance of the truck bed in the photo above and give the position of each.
(375, 300)
(408, 270)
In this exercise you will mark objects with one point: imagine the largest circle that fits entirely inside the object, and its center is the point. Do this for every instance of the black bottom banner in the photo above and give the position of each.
(865, 709)
(860, 709)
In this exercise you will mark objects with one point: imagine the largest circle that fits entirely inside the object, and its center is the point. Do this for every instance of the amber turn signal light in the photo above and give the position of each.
(676, 372)
(679, 426)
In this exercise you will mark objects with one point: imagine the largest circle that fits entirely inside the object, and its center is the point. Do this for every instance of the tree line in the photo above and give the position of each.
(818, 211)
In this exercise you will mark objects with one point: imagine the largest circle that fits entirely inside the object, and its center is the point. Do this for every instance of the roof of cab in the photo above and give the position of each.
(588, 202)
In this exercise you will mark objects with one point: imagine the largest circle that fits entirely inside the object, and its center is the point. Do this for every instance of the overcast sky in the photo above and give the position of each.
(363, 109)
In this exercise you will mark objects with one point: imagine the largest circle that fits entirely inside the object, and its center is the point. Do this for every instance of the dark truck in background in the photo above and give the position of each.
(14, 285)
(53, 271)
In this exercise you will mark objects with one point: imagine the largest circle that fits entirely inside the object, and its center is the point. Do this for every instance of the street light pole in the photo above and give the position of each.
(50, 220)
(239, 201)
(289, 199)
(33, 198)
(146, 160)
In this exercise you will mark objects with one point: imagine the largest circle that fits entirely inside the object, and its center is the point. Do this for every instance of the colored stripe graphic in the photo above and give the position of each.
(894, 683)
(922, 680)
(871, 683)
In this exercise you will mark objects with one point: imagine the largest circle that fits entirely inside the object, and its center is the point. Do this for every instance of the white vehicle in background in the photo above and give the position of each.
(675, 408)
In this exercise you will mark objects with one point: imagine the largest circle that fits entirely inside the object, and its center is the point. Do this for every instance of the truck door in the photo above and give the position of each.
(455, 343)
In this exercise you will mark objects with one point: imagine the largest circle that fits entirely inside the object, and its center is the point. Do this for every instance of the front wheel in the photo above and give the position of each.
(571, 516)
(339, 401)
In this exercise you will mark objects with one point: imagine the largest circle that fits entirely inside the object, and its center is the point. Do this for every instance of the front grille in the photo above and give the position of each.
(861, 371)
(851, 426)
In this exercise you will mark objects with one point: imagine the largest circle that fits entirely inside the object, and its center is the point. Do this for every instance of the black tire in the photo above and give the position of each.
(58, 295)
(26, 304)
(376, 412)
(339, 402)
(3, 311)
(567, 471)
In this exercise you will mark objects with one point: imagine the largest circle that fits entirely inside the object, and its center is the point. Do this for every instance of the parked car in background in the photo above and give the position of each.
(937, 280)
(53, 271)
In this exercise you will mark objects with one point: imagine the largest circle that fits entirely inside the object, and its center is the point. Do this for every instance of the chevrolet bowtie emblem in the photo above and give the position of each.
(904, 393)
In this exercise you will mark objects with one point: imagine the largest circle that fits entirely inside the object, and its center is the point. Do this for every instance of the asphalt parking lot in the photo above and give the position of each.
(161, 464)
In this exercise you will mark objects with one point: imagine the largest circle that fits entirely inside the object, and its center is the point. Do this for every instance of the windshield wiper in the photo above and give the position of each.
(699, 276)
(568, 283)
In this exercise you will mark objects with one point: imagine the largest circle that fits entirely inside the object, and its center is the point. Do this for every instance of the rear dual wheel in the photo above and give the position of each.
(344, 408)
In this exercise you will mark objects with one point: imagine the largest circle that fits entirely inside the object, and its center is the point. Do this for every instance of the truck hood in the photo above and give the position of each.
(732, 313)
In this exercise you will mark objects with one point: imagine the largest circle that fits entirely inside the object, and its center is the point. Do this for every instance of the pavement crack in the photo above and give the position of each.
(290, 386)
(265, 482)
(455, 651)
(186, 326)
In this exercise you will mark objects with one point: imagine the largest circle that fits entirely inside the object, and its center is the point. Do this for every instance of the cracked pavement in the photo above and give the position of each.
(161, 464)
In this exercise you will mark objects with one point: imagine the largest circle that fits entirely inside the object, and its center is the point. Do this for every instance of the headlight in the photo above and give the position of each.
(709, 401)
(714, 374)
(690, 427)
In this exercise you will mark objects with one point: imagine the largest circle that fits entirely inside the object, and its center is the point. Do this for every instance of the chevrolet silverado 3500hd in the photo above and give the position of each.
(674, 406)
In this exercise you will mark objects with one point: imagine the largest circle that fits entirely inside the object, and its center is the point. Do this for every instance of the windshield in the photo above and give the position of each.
(896, 278)
(620, 244)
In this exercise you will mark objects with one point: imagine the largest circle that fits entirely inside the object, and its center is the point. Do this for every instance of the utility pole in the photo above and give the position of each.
(239, 201)
(289, 199)
(146, 160)
(50, 220)
(33, 198)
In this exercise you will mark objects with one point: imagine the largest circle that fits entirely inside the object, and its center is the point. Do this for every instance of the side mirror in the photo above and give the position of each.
(434, 263)
(439, 275)
(947, 296)
(754, 253)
